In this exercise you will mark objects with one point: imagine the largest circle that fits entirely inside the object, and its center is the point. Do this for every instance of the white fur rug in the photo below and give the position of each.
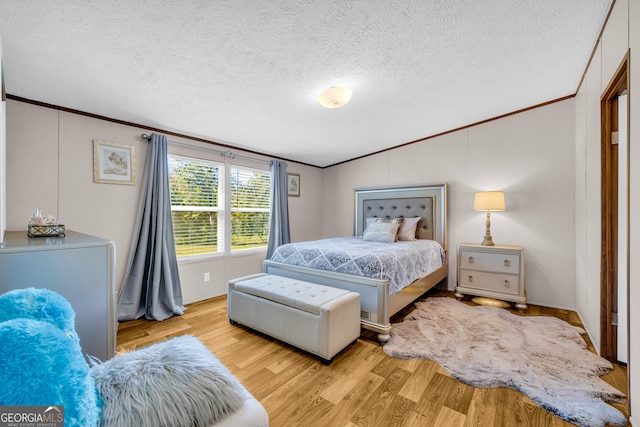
(542, 357)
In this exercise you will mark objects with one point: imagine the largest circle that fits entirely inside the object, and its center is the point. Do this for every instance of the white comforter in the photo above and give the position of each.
(401, 262)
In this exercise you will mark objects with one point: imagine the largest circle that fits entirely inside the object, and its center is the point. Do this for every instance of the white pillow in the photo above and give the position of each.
(408, 228)
(382, 230)
(368, 222)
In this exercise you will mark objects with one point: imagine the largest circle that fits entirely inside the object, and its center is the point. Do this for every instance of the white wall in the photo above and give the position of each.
(581, 170)
(530, 156)
(621, 32)
(588, 227)
(634, 214)
(3, 168)
(50, 163)
(3, 161)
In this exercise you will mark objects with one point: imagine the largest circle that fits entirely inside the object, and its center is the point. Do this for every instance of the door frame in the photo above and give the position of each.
(609, 273)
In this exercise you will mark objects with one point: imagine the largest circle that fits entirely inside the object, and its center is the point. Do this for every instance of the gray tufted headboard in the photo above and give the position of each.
(429, 202)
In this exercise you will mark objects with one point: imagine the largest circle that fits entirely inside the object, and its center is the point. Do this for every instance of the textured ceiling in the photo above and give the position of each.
(246, 73)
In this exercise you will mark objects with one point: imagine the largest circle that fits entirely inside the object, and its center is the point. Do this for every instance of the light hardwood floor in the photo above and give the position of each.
(362, 387)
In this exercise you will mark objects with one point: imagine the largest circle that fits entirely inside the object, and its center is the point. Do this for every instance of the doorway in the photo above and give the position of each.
(614, 277)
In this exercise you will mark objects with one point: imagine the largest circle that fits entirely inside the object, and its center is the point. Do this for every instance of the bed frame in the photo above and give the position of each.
(426, 201)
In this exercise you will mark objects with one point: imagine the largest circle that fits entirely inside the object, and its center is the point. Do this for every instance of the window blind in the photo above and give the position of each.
(250, 193)
(198, 210)
(195, 211)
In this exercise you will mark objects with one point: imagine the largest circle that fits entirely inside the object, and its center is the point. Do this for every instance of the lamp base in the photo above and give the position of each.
(488, 241)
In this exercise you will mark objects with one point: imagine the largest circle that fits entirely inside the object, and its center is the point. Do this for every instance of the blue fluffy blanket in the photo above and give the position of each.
(43, 363)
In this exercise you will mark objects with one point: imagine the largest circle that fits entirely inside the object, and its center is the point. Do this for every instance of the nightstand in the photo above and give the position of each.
(493, 272)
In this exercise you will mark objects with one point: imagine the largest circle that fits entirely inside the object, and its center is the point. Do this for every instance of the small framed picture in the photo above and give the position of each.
(114, 163)
(293, 184)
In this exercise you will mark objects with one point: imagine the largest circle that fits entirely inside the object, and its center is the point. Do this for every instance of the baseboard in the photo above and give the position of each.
(559, 307)
(597, 349)
(633, 423)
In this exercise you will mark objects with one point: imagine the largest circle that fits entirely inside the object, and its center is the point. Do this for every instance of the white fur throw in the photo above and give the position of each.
(540, 356)
(177, 382)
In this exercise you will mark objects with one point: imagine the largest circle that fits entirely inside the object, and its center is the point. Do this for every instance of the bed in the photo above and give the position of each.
(379, 302)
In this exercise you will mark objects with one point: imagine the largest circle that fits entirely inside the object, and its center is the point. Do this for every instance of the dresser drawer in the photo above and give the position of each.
(493, 261)
(505, 283)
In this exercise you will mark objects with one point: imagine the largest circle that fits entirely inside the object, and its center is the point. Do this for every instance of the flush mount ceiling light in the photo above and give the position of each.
(335, 96)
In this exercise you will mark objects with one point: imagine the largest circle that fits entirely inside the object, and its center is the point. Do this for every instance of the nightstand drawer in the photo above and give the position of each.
(492, 272)
(493, 261)
(506, 283)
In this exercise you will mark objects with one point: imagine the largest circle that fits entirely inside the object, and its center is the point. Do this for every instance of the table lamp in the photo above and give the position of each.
(488, 201)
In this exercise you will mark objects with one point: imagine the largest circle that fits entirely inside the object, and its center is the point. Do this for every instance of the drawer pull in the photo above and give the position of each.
(470, 279)
(507, 262)
(506, 284)
(470, 260)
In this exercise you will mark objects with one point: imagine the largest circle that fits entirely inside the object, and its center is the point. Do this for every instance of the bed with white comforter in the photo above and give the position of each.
(388, 276)
(400, 262)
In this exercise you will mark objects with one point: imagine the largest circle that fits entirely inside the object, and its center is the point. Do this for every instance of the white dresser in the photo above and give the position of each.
(493, 272)
(77, 266)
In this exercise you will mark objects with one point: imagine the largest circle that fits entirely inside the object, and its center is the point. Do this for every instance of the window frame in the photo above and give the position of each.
(224, 208)
(237, 209)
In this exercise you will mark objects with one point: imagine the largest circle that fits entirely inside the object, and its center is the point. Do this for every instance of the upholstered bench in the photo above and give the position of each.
(318, 319)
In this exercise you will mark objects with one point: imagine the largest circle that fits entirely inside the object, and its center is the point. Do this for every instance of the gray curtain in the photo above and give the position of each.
(279, 220)
(151, 284)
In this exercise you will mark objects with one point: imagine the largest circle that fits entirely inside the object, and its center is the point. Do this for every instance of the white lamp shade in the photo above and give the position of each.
(489, 201)
(335, 97)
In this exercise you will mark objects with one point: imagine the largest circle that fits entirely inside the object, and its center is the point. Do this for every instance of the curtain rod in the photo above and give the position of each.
(229, 154)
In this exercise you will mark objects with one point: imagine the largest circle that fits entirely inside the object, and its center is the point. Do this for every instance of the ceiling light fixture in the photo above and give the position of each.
(335, 96)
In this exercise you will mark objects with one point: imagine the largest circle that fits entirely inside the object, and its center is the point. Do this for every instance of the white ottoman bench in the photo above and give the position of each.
(319, 319)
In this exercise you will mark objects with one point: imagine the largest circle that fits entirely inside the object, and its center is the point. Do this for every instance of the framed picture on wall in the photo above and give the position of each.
(293, 184)
(114, 163)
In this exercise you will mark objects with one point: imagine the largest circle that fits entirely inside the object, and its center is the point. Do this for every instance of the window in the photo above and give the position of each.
(250, 192)
(195, 211)
(199, 206)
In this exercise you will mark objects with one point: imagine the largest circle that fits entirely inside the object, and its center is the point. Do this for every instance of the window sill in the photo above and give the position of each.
(219, 255)
(248, 252)
(200, 258)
